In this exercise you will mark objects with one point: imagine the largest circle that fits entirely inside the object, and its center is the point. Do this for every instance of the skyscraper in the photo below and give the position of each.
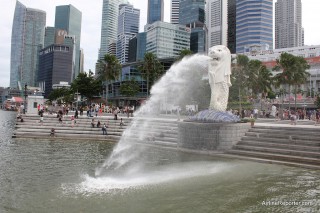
(288, 27)
(232, 10)
(175, 11)
(254, 26)
(155, 11)
(69, 18)
(192, 15)
(27, 39)
(128, 26)
(167, 40)
(216, 21)
(109, 24)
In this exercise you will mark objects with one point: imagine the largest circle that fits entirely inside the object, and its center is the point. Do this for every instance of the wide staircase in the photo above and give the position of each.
(296, 146)
(82, 129)
(157, 131)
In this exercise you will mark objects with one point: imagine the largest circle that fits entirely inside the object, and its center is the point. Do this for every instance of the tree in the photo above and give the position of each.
(86, 85)
(61, 94)
(183, 53)
(239, 75)
(109, 68)
(293, 72)
(151, 70)
(129, 88)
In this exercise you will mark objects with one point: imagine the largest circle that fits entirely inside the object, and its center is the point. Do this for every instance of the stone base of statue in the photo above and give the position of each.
(211, 130)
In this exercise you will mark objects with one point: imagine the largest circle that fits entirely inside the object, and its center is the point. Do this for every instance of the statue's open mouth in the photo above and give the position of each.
(215, 58)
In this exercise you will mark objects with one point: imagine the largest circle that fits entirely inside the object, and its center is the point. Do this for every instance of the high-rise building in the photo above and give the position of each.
(128, 26)
(175, 11)
(254, 26)
(26, 40)
(216, 22)
(192, 15)
(167, 40)
(288, 24)
(55, 65)
(109, 24)
(232, 25)
(191, 12)
(68, 18)
(155, 11)
(137, 47)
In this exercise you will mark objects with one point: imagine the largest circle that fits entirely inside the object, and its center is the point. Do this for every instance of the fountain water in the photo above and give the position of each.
(174, 88)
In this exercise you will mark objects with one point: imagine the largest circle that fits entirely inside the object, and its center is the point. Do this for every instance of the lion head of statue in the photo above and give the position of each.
(219, 64)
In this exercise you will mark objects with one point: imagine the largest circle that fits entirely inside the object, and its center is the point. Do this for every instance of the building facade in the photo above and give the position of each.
(55, 65)
(174, 18)
(232, 25)
(217, 22)
(288, 24)
(69, 18)
(109, 24)
(137, 47)
(128, 26)
(310, 53)
(192, 15)
(27, 39)
(155, 11)
(167, 40)
(254, 25)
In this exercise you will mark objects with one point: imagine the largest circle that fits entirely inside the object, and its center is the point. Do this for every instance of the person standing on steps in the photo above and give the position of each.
(72, 121)
(104, 129)
(41, 119)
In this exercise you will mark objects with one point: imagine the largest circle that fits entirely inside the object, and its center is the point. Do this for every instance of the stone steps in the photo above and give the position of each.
(298, 145)
(276, 157)
(285, 143)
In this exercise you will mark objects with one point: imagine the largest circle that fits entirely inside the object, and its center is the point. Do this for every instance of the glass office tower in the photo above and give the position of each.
(128, 26)
(192, 15)
(254, 26)
(69, 18)
(109, 24)
(26, 40)
(155, 11)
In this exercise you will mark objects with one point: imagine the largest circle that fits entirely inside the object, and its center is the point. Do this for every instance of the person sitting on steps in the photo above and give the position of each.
(98, 124)
(52, 132)
(92, 123)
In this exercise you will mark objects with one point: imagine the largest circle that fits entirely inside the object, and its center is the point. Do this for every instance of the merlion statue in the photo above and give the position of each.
(219, 77)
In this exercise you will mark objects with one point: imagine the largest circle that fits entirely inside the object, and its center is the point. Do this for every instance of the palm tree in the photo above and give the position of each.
(293, 72)
(109, 69)
(151, 69)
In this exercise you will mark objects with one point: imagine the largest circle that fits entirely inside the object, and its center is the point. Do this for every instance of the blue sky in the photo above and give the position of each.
(91, 21)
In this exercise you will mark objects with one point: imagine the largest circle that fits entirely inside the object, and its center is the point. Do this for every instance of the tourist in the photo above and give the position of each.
(104, 129)
(22, 109)
(81, 111)
(121, 123)
(72, 121)
(60, 119)
(76, 113)
(92, 123)
(52, 132)
(41, 119)
(115, 113)
(98, 124)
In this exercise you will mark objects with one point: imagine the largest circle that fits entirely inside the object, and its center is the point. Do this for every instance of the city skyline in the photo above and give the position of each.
(91, 26)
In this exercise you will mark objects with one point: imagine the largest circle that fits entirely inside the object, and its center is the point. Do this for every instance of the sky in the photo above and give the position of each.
(91, 26)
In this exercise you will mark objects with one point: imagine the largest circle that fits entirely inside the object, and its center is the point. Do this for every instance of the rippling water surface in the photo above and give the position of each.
(58, 176)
